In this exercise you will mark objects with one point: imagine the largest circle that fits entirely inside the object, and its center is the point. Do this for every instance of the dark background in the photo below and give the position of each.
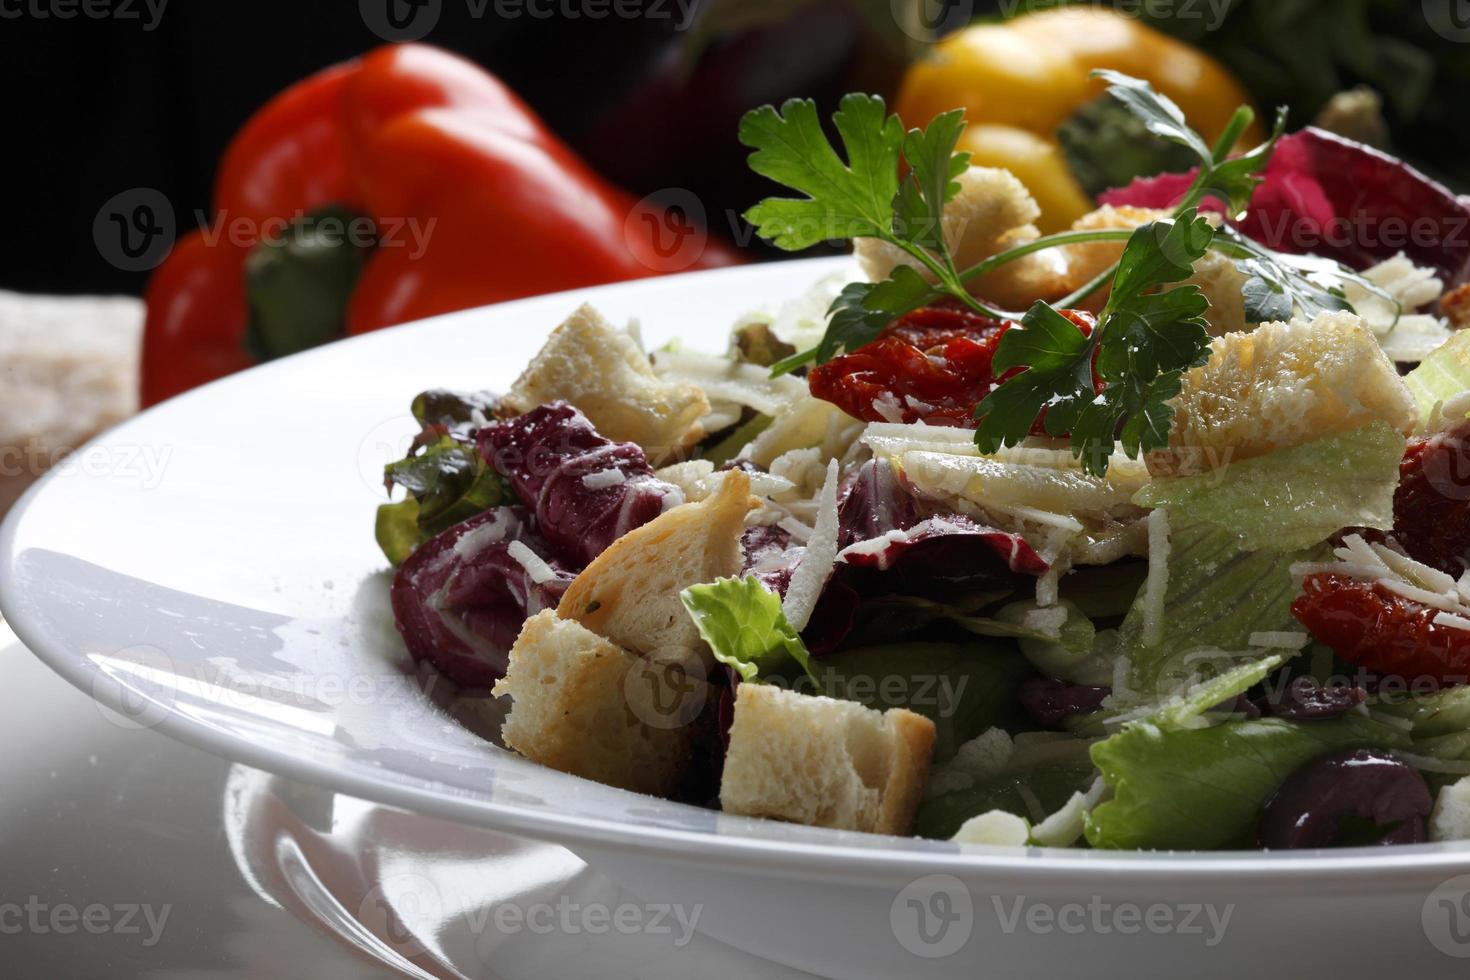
(98, 105)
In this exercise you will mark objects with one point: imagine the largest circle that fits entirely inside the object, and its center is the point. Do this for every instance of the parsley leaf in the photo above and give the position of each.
(1144, 341)
(1156, 111)
(1278, 284)
(931, 182)
(862, 198)
(844, 200)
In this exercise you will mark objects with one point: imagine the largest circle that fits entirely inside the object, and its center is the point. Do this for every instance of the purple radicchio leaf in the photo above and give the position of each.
(586, 491)
(1326, 195)
(460, 599)
(944, 559)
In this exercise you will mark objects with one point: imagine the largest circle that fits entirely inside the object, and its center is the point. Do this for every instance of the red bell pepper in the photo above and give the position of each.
(470, 201)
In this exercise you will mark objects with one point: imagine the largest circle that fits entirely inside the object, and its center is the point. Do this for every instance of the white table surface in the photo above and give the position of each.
(247, 875)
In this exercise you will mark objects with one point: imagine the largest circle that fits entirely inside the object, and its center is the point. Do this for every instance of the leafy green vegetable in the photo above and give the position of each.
(1144, 341)
(1295, 497)
(1107, 146)
(1033, 785)
(459, 412)
(450, 481)
(1076, 653)
(1217, 595)
(1104, 591)
(1442, 375)
(397, 529)
(861, 197)
(729, 446)
(964, 688)
(743, 624)
(1279, 285)
(1203, 788)
(852, 199)
(1157, 112)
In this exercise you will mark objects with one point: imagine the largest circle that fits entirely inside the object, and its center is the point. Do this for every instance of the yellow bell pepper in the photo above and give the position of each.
(1018, 81)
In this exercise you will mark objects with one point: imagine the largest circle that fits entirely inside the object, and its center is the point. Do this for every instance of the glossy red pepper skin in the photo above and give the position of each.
(196, 318)
(474, 202)
(288, 157)
(1366, 624)
(932, 365)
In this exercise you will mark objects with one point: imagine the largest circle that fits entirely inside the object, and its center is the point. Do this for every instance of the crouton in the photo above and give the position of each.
(825, 763)
(991, 212)
(1283, 384)
(603, 372)
(630, 592)
(583, 705)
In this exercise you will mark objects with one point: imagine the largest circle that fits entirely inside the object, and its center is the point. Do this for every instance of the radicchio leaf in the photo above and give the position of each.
(941, 558)
(874, 501)
(586, 491)
(1329, 196)
(460, 599)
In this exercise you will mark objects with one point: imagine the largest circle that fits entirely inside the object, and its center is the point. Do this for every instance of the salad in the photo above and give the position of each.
(1149, 533)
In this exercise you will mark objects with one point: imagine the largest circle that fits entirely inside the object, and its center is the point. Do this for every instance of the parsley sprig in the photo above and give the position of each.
(862, 197)
(893, 186)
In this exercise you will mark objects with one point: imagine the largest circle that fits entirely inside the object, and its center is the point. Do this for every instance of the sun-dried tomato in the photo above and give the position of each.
(932, 365)
(1369, 625)
(1431, 508)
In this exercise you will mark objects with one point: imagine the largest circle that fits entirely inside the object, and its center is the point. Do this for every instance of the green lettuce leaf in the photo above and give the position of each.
(397, 529)
(964, 688)
(1442, 375)
(1076, 652)
(1295, 497)
(450, 481)
(1217, 596)
(1201, 788)
(1036, 783)
(743, 624)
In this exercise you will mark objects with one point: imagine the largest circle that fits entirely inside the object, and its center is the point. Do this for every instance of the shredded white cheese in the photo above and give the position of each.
(800, 533)
(821, 554)
(995, 827)
(603, 479)
(1279, 640)
(1452, 620)
(1155, 588)
(534, 565)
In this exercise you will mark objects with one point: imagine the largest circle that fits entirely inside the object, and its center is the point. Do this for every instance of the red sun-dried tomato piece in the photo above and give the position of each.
(1431, 508)
(932, 365)
(1369, 625)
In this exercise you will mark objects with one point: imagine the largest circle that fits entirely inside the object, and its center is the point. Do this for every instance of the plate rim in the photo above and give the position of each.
(1404, 866)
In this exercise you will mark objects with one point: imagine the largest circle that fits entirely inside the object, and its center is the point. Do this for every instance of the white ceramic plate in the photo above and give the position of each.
(209, 568)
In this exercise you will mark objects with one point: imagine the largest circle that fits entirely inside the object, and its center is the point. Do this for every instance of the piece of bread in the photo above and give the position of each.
(1088, 260)
(583, 705)
(1282, 384)
(68, 370)
(992, 211)
(630, 592)
(602, 371)
(825, 763)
